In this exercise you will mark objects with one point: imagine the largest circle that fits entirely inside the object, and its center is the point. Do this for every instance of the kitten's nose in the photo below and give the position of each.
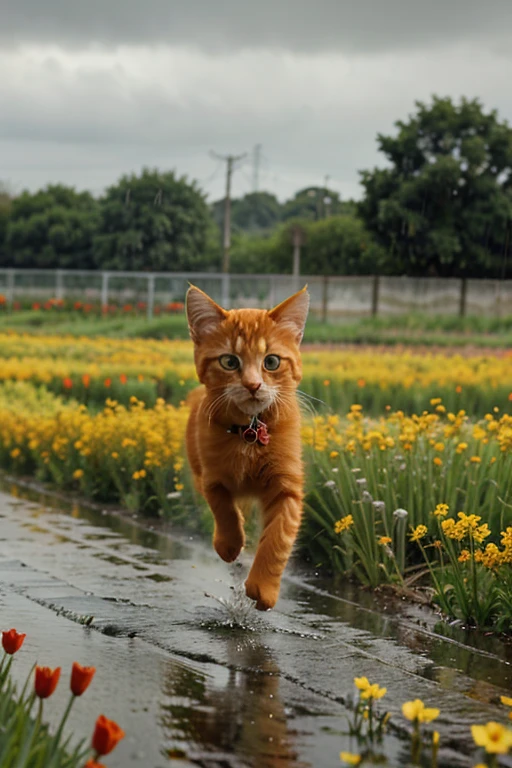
(253, 386)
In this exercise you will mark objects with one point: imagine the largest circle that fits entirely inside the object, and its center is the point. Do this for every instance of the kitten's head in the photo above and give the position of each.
(248, 358)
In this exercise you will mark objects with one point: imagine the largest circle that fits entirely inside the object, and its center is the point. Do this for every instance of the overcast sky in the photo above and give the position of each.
(91, 90)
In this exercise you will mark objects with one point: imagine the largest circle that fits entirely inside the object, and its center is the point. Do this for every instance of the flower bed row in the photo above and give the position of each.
(91, 370)
(86, 308)
(416, 500)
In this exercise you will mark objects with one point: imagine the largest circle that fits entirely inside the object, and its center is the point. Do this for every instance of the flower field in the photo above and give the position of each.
(398, 438)
(92, 369)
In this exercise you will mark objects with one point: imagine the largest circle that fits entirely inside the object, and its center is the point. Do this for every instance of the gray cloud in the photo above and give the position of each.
(222, 26)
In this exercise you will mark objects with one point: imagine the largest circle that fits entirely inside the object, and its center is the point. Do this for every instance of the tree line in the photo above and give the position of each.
(442, 205)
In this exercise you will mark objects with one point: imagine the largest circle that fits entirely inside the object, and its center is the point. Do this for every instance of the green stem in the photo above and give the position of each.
(416, 744)
(63, 722)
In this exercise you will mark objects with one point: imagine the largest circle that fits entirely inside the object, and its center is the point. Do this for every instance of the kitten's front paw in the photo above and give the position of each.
(265, 593)
(228, 547)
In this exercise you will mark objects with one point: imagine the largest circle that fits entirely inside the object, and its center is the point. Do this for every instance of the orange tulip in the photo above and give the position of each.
(67, 383)
(123, 378)
(46, 681)
(107, 382)
(106, 735)
(86, 380)
(12, 641)
(93, 764)
(81, 678)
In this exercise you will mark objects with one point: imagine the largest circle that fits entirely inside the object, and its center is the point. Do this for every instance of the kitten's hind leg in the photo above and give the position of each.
(228, 536)
(281, 516)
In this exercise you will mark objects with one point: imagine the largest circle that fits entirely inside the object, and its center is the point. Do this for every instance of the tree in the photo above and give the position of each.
(444, 205)
(257, 211)
(339, 245)
(5, 212)
(315, 203)
(155, 221)
(51, 228)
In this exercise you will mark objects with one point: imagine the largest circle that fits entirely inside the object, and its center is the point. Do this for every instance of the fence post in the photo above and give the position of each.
(104, 290)
(325, 298)
(10, 288)
(463, 296)
(225, 290)
(59, 286)
(375, 295)
(151, 296)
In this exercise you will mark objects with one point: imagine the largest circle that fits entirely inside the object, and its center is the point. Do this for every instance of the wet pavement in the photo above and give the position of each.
(146, 608)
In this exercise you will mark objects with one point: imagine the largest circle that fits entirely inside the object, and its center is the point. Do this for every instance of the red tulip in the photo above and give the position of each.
(12, 641)
(123, 378)
(67, 383)
(46, 681)
(106, 735)
(93, 764)
(81, 678)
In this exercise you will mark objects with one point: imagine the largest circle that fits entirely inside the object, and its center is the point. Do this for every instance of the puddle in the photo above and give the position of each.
(233, 687)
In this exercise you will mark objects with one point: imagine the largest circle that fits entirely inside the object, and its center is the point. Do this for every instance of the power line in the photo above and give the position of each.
(232, 162)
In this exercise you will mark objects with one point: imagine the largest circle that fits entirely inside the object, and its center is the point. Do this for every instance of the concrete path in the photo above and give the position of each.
(181, 681)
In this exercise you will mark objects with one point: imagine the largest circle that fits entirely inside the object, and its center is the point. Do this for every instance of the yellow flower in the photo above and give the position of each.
(15, 453)
(461, 447)
(464, 556)
(344, 524)
(475, 460)
(350, 757)
(494, 737)
(78, 473)
(326, 382)
(362, 683)
(333, 454)
(417, 712)
(506, 700)
(435, 401)
(435, 738)
(441, 510)
(419, 532)
(439, 447)
(373, 692)
(437, 461)
(481, 533)
(384, 540)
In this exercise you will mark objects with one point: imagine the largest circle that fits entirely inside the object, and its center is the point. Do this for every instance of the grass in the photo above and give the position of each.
(415, 329)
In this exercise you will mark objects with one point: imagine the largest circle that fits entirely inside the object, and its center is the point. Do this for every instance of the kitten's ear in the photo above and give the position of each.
(203, 314)
(292, 313)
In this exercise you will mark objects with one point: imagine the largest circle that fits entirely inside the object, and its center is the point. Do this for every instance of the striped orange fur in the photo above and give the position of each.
(236, 354)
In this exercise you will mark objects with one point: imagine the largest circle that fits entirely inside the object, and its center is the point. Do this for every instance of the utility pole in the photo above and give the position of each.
(327, 199)
(256, 157)
(298, 238)
(230, 161)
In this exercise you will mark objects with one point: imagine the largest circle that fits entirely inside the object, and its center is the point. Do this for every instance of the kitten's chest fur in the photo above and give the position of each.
(245, 469)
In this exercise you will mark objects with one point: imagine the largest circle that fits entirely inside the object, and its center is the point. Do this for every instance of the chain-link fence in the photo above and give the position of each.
(331, 297)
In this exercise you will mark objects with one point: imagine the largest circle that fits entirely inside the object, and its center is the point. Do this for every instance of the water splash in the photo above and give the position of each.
(239, 607)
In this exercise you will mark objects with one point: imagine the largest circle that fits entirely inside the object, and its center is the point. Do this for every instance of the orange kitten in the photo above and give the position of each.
(243, 433)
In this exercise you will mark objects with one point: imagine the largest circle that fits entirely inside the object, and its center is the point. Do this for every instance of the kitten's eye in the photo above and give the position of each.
(272, 362)
(229, 362)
